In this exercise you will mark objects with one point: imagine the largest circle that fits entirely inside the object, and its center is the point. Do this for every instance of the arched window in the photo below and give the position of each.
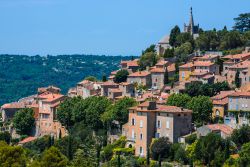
(133, 121)
(217, 113)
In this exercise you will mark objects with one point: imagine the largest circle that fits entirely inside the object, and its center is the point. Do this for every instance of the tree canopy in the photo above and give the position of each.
(173, 35)
(179, 100)
(147, 60)
(242, 22)
(202, 109)
(121, 76)
(24, 121)
(91, 78)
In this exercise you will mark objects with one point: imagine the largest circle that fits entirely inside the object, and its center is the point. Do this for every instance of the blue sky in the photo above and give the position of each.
(111, 27)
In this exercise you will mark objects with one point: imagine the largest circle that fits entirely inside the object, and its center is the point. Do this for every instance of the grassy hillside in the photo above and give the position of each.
(21, 75)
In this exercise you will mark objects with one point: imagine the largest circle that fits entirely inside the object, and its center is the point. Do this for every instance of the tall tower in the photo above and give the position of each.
(191, 22)
(191, 28)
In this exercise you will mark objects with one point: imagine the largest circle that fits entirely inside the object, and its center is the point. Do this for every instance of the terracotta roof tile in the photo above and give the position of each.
(238, 56)
(140, 74)
(27, 140)
(222, 127)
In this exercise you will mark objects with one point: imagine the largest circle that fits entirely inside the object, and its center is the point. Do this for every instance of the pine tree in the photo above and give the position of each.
(104, 78)
(166, 76)
(237, 79)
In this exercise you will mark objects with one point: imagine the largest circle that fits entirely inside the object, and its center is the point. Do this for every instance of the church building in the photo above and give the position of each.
(191, 28)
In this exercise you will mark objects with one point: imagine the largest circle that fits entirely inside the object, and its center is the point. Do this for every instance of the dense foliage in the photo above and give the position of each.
(197, 88)
(121, 76)
(24, 121)
(64, 71)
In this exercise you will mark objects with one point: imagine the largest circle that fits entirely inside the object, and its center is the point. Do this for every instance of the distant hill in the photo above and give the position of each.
(21, 75)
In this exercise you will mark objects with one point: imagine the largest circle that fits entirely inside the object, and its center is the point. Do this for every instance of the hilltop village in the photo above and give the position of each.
(153, 99)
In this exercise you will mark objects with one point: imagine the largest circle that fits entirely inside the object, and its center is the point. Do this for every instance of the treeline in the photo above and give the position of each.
(228, 41)
(21, 75)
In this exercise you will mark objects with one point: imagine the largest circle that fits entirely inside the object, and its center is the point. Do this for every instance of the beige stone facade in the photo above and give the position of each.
(149, 120)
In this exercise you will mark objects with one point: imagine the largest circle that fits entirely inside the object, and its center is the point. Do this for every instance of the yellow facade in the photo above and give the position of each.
(184, 74)
(218, 110)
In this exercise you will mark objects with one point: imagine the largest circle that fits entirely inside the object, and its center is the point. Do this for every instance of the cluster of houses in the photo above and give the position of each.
(151, 118)
(44, 104)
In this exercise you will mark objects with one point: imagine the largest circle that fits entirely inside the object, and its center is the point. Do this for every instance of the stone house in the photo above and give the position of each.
(47, 123)
(140, 77)
(105, 86)
(238, 109)
(220, 103)
(231, 60)
(130, 65)
(202, 66)
(223, 130)
(149, 120)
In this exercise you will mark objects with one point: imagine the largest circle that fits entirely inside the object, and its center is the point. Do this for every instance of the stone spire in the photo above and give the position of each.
(191, 21)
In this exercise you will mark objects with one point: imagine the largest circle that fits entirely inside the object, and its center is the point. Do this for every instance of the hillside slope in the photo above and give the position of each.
(21, 75)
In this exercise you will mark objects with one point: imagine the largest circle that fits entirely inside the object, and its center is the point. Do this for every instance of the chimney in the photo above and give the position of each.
(152, 105)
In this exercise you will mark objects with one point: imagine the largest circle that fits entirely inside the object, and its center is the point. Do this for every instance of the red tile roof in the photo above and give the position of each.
(238, 56)
(172, 109)
(109, 83)
(133, 63)
(49, 97)
(240, 94)
(222, 94)
(157, 70)
(221, 127)
(13, 105)
(244, 64)
(27, 140)
(140, 74)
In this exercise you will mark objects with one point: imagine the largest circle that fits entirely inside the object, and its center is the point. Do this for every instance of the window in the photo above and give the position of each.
(141, 136)
(217, 113)
(141, 123)
(183, 74)
(157, 135)
(167, 124)
(133, 134)
(133, 122)
(158, 124)
(141, 151)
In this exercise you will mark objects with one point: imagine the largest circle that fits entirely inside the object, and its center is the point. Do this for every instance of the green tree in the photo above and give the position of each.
(244, 159)
(184, 38)
(237, 79)
(241, 136)
(12, 155)
(179, 100)
(119, 111)
(168, 53)
(211, 150)
(173, 35)
(150, 49)
(53, 158)
(242, 22)
(66, 110)
(82, 159)
(166, 79)
(147, 60)
(121, 76)
(91, 78)
(160, 148)
(202, 109)
(183, 51)
(231, 40)
(5, 136)
(104, 78)
(94, 111)
(24, 121)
